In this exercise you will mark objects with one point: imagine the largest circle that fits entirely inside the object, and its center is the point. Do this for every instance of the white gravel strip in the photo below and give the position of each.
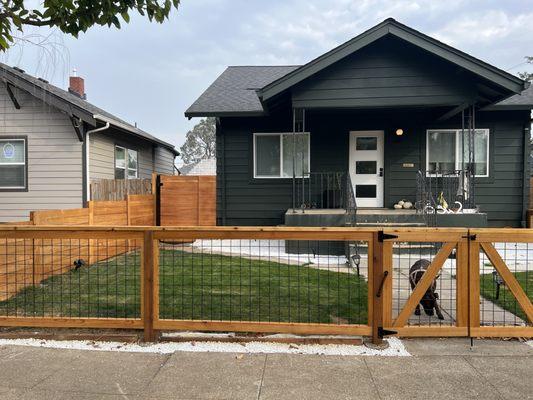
(530, 343)
(395, 349)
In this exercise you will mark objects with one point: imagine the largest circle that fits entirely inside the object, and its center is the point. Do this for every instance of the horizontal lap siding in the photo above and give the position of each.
(248, 201)
(389, 72)
(102, 154)
(54, 157)
(243, 200)
(164, 161)
(502, 197)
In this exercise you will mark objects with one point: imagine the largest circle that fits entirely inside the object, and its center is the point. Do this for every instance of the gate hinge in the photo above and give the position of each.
(384, 332)
(384, 236)
(470, 237)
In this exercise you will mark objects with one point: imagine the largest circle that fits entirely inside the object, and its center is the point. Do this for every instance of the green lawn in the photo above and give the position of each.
(200, 286)
(506, 299)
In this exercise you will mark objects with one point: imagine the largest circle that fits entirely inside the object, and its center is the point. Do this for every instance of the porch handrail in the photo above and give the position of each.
(441, 190)
(324, 190)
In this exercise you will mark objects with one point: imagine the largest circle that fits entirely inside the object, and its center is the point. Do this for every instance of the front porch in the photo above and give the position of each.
(380, 217)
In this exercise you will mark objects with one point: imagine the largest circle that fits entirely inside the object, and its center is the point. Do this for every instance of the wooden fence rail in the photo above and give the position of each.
(149, 279)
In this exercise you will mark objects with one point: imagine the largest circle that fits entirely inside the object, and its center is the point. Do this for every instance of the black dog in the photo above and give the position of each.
(429, 301)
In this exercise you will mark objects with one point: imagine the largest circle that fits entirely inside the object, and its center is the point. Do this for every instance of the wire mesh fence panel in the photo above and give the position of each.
(505, 270)
(292, 281)
(438, 304)
(70, 278)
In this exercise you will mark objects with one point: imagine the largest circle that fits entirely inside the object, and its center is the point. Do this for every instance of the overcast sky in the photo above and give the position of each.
(150, 73)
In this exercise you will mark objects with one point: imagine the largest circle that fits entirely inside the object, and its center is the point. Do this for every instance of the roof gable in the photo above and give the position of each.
(511, 83)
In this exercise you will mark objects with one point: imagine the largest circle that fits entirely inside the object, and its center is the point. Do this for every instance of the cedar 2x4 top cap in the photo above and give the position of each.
(247, 90)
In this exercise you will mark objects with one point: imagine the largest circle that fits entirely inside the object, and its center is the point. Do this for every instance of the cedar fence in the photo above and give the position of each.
(273, 279)
(55, 256)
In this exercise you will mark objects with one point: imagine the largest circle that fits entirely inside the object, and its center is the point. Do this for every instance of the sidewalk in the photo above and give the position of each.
(438, 369)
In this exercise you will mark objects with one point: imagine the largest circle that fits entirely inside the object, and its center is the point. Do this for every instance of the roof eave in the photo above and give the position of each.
(196, 114)
(125, 128)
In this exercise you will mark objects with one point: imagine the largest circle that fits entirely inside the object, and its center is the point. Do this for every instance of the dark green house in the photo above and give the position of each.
(390, 115)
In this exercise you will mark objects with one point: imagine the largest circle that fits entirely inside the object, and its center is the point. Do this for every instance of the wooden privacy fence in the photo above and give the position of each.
(278, 279)
(185, 200)
(118, 189)
(55, 256)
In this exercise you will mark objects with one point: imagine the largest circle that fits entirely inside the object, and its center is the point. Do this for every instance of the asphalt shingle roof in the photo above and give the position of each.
(234, 91)
(523, 100)
(6, 71)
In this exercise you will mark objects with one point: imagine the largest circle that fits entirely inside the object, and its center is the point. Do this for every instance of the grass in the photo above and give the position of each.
(200, 286)
(506, 299)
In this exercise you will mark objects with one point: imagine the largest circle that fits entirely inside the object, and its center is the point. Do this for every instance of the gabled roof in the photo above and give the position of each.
(394, 28)
(234, 92)
(241, 90)
(70, 103)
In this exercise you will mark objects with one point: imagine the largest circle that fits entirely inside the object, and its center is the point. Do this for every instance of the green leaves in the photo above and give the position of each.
(75, 16)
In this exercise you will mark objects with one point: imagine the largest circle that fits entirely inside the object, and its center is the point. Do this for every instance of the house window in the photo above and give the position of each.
(13, 164)
(445, 148)
(273, 155)
(126, 163)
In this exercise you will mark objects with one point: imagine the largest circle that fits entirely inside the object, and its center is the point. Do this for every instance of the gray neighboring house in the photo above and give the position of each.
(53, 143)
(386, 113)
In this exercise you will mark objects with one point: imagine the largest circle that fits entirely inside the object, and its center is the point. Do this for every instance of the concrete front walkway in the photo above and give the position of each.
(438, 369)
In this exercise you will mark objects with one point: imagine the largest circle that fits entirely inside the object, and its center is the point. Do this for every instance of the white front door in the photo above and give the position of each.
(366, 167)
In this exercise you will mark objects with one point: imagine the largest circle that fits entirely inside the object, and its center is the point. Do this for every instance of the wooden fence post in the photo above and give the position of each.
(155, 193)
(473, 284)
(149, 261)
(377, 288)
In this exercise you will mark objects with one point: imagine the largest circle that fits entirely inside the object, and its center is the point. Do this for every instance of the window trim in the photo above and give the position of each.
(280, 135)
(457, 150)
(18, 188)
(126, 149)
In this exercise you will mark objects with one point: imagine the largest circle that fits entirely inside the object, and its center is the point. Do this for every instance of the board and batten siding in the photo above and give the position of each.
(243, 200)
(54, 157)
(102, 155)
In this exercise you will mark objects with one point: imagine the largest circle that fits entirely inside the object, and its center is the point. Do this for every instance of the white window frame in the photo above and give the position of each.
(458, 156)
(24, 163)
(281, 134)
(126, 168)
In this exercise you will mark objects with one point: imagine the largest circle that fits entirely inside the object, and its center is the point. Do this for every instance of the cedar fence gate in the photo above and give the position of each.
(269, 279)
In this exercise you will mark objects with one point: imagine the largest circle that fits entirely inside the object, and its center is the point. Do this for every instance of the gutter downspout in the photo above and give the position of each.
(87, 146)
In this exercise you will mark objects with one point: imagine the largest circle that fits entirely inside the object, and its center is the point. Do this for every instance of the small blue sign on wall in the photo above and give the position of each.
(9, 150)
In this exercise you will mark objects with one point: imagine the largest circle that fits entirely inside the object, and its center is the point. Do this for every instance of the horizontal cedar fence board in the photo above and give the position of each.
(503, 235)
(187, 200)
(265, 327)
(77, 216)
(428, 234)
(118, 323)
(51, 250)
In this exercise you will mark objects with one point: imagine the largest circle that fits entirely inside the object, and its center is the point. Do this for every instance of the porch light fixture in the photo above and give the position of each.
(399, 132)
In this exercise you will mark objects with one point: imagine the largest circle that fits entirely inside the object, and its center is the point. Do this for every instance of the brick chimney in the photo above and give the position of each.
(77, 85)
